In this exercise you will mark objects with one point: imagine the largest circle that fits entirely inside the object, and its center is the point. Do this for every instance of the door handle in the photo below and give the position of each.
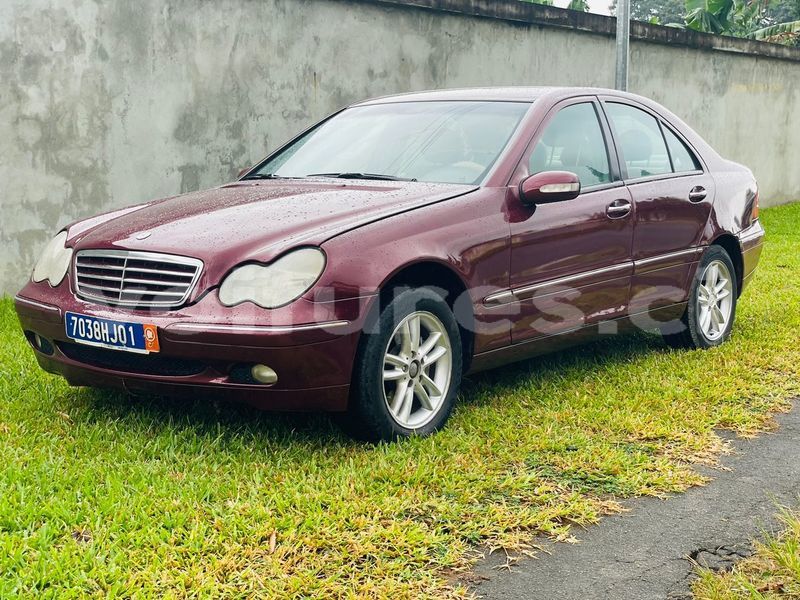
(697, 194)
(618, 209)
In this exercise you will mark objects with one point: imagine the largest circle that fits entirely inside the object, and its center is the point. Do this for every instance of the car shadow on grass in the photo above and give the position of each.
(589, 358)
(208, 417)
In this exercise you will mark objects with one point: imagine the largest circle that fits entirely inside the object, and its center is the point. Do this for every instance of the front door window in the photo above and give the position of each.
(573, 141)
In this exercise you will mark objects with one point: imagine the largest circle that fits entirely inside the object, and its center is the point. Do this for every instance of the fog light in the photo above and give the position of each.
(39, 343)
(263, 374)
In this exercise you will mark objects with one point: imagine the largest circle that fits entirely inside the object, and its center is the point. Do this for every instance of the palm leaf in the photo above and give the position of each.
(781, 29)
(709, 15)
(579, 5)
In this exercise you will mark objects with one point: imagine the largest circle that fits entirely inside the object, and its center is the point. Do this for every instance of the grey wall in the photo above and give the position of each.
(104, 104)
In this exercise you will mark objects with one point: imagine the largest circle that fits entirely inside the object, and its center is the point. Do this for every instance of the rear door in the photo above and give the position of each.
(672, 194)
(571, 260)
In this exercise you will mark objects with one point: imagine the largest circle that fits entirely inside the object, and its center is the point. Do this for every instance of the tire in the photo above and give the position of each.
(393, 365)
(704, 327)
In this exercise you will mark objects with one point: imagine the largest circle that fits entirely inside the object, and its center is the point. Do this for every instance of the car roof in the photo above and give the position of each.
(549, 95)
(495, 94)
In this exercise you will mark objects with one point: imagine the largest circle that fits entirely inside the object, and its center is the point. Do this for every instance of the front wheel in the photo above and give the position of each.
(711, 309)
(407, 371)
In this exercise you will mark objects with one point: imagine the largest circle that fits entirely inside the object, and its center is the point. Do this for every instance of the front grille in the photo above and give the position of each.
(128, 362)
(137, 279)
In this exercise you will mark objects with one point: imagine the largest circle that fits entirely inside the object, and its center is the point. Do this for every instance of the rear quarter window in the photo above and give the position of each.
(683, 159)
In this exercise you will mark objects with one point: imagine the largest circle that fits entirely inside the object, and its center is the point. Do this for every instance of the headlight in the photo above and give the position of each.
(276, 284)
(54, 261)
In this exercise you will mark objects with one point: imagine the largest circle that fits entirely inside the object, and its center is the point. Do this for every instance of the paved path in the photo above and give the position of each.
(643, 554)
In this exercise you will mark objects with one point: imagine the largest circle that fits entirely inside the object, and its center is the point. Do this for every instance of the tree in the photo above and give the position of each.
(784, 11)
(664, 12)
(579, 5)
(785, 23)
(781, 33)
(742, 18)
(738, 18)
(768, 20)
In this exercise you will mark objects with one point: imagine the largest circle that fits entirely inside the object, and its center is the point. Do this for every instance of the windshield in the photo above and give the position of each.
(442, 142)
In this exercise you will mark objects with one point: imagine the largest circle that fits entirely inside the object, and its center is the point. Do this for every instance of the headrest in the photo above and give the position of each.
(538, 162)
(635, 146)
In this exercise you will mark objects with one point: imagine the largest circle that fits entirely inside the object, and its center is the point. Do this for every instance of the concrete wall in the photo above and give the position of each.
(104, 104)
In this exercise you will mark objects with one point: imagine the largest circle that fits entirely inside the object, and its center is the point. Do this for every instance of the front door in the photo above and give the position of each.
(571, 260)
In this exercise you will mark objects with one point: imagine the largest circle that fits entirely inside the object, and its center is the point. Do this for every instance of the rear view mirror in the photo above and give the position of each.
(549, 186)
(242, 172)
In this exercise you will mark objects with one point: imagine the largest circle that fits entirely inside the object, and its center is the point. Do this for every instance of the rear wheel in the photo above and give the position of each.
(711, 309)
(408, 371)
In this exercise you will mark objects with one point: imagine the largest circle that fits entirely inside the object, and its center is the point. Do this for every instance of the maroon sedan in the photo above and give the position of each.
(367, 264)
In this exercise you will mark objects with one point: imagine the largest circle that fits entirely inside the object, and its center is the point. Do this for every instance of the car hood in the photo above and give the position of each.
(253, 220)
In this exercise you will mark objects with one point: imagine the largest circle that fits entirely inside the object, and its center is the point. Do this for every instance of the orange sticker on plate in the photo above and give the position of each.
(151, 338)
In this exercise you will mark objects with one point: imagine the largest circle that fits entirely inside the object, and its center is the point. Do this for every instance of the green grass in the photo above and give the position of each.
(772, 572)
(101, 495)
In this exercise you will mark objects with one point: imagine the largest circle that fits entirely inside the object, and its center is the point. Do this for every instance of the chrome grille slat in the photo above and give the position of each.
(162, 283)
(136, 279)
(170, 273)
(100, 287)
(89, 265)
(98, 257)
(147, 293)
(130, 291)
(98, 277)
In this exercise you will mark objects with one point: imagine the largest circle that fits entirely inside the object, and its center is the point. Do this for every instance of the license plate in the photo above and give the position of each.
(118, 335)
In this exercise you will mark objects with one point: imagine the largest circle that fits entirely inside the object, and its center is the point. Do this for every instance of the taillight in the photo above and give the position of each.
(754, 213)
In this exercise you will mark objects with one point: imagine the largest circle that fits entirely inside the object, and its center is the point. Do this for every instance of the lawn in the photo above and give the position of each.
(772, 572)
(101, 495)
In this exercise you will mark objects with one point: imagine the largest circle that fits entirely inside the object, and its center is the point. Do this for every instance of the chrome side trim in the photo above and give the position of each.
(661, 176)
(517, 294)
(529, 290)
(254, 328)
(499, 298)
(35, 304)
(664, 257)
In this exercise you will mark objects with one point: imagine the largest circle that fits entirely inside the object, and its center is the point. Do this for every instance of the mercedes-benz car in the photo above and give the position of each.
(367, 264)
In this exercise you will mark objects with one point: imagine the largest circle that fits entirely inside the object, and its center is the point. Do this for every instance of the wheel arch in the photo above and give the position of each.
(444, 279)
(730, 243)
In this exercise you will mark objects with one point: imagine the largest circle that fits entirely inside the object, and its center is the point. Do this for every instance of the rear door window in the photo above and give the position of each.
(639, 140)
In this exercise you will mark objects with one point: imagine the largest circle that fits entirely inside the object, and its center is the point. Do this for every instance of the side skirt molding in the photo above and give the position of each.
(565, 339)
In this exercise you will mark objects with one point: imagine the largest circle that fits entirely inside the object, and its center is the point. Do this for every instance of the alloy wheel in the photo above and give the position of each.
(417, 369)
(715, 300)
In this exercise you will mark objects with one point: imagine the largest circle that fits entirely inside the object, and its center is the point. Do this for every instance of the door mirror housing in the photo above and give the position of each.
(242, 172)
(549, 186)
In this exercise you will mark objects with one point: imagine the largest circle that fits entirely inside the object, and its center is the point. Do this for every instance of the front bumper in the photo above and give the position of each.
(207, 347)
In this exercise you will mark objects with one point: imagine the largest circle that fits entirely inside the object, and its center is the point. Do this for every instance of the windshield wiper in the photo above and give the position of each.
(376, 176)
(263, 176)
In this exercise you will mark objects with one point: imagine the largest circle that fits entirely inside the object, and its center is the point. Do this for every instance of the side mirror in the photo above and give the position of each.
(242, 172)
(549, 186)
